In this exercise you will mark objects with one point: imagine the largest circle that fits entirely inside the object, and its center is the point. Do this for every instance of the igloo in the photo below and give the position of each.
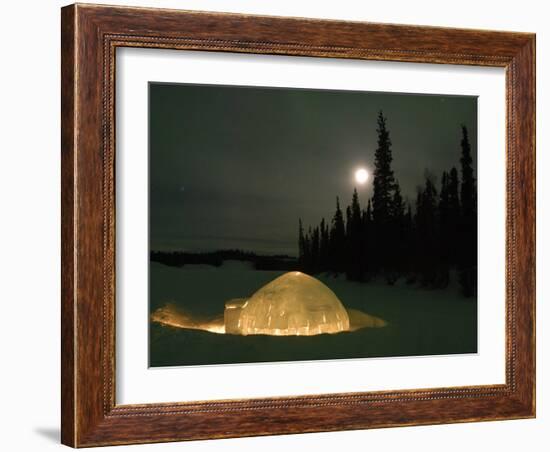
(292, 304)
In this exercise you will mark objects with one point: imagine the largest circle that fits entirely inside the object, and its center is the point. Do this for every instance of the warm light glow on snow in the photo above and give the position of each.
(170, 315)
(361, 176)
(294, 304)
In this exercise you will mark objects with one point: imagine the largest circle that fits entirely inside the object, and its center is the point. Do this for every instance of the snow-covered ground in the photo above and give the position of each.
(420, 322)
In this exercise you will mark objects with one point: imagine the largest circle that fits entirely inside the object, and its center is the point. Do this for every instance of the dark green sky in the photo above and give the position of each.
(235, 167)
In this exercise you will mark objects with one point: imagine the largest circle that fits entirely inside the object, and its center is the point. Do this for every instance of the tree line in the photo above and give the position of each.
(391, 238)
(278, 262)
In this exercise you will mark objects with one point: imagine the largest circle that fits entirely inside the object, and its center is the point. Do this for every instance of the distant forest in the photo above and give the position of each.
(392, 239)
(280, 262)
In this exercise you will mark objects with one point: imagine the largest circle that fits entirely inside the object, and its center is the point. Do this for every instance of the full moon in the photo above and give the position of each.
(361, 176)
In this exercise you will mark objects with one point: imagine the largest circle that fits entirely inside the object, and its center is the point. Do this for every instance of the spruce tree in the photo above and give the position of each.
(348, 264)
(355, 209)
(383, 183)
(395, 243)
(315, 254)
(323, 247)
(383, 188)
(427, 233)
(397, 206)
(454, 221)
(468, 185)
(367, 241)
(409, 252)
(348, 221)
(468, 204)
(306, 265)
(301, 246)
(355, 263)
(444, 232)
(368, 213)
(337, 240)
(309, 250)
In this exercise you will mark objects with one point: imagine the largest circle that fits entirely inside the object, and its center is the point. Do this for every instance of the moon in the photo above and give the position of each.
(361, 176)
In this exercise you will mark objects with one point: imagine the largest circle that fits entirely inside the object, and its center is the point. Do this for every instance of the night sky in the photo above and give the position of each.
(235, 167)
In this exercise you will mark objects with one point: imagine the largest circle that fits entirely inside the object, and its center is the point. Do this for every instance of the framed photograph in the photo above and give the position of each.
(281, 225)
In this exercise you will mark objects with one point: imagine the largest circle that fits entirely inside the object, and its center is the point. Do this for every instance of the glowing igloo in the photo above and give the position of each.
(292, 304)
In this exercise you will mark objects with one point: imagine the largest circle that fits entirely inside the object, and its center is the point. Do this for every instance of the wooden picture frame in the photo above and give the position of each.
(90, 36)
